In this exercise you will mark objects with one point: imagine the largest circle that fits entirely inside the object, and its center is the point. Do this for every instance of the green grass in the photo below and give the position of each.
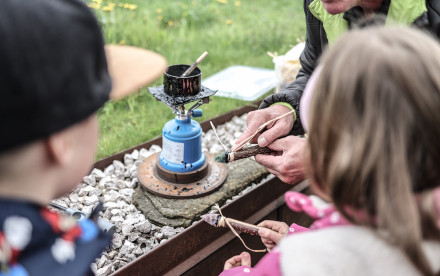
(233, 32)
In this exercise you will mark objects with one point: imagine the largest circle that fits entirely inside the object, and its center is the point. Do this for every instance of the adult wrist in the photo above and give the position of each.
(287, 105)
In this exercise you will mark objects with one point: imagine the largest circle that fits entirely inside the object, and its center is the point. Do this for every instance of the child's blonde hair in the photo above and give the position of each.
(375, 133)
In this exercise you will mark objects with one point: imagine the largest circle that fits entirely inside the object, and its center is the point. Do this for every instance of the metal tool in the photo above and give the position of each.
(103, 224)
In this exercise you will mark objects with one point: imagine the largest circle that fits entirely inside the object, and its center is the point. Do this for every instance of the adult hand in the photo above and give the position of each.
(275, 232)
(279, 128)
(243, 259)
(288, 164)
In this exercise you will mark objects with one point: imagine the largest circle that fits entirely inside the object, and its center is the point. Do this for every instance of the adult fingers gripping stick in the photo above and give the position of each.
(262, 127)
(289, 166)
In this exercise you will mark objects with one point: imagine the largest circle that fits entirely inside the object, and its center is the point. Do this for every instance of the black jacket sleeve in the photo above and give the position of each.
(315, 37)
(433, 7)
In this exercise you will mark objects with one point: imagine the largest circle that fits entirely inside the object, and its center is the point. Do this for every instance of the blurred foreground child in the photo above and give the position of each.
(374, 132)
(53, 78)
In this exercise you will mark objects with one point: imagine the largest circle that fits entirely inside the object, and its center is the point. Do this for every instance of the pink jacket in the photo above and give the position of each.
(326, 216)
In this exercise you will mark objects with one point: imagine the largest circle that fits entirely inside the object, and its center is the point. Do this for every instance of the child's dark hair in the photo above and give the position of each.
(374, 133)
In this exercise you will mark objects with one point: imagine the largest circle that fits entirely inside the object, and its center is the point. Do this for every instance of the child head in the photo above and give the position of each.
(374, 132)
(53, 78)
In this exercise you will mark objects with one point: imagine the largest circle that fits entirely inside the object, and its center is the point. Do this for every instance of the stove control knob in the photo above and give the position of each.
(197, 113)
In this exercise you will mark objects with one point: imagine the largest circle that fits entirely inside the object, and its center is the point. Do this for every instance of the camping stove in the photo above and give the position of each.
(182, 170)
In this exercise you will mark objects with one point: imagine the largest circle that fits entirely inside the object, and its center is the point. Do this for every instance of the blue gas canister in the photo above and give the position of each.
(182, 144)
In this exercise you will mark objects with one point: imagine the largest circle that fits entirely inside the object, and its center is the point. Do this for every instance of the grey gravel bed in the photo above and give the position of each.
(114, 186)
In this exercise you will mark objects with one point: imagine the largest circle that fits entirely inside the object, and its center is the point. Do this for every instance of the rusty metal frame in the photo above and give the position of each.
(196, 243)
(202, 249)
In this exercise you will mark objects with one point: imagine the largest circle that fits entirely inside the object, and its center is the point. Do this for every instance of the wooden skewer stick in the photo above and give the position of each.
(218, 220)
(194, 65)
(240, 225)
(246, 152)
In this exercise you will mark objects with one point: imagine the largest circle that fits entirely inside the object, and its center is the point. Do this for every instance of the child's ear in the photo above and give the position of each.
(59, 146)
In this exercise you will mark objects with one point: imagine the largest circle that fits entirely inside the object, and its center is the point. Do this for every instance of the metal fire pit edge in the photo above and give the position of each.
(202, 249)
(185, 253)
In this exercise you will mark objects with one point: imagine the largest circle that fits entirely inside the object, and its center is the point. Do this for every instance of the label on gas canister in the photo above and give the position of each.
(172, 151)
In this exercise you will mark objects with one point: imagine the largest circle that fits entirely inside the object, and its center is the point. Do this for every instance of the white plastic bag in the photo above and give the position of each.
(287, 65)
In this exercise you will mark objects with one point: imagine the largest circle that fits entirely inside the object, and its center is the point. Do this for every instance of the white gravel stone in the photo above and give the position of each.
(119, 174)
(112, 196)
(103, 182)
(87, 190)
(118, 165)
(143, 226)
(101, 261)
(73, 198)
(159, 235)
(144, 154)
(137, 251)
(94, 191)
(131, 221)
(127, 229)
(109, 170)
(133, 237)
(127, 194)
(131, 171)
(104, 271)
(90, 180)
(129, 208)
(90, 200)
(128, 159)
(168, 231)
(126, 248)
(117, 219)
(135, 155)
(120, 184)
(131, 184)
(111, 205)
(87, 209)
(112, 254)
(82, 192)
(98, 174)
(94, 267)
(117, 241)
(155, 148)
(115, 212)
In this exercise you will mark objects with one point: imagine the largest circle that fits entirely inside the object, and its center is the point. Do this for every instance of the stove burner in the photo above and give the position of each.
(172, 101)
(182, 170)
